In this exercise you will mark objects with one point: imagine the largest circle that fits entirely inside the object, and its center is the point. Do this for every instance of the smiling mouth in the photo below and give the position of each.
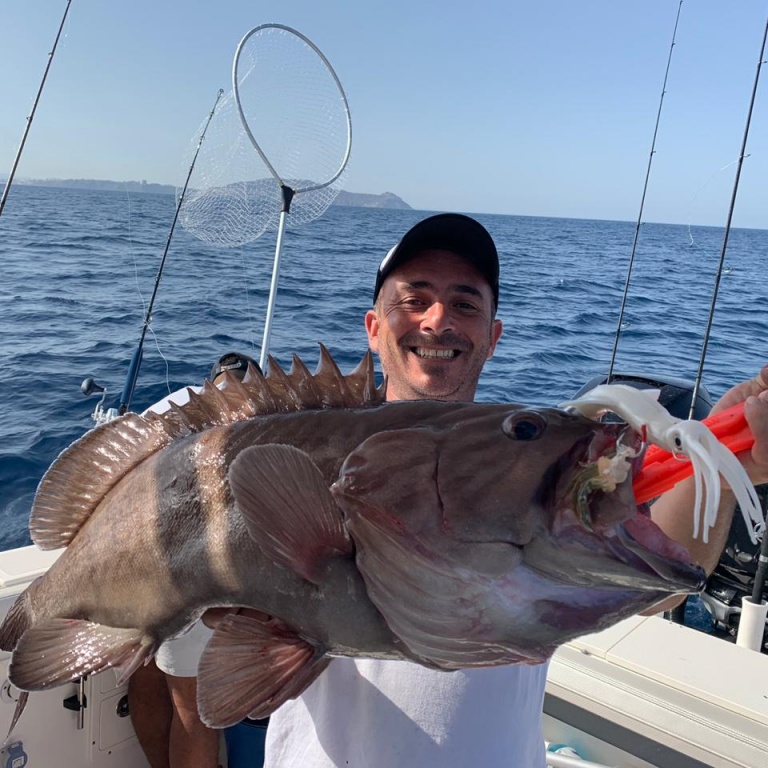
(435, 354)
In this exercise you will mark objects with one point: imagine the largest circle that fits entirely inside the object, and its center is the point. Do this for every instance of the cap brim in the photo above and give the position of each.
(452, 232)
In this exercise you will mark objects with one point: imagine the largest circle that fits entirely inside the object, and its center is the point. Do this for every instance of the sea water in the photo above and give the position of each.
(78, 268)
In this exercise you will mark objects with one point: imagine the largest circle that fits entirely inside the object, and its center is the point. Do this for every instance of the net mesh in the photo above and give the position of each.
(297, 115)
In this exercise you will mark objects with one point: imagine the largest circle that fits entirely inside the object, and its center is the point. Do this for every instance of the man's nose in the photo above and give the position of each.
(437, 319)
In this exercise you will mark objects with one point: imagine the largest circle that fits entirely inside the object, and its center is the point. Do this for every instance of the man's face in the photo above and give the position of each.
(433, 328)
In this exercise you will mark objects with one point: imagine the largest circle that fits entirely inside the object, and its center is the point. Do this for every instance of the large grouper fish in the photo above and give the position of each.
(449, 534)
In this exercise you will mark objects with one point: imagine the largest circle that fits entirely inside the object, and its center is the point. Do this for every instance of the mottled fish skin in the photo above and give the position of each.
(442, 533)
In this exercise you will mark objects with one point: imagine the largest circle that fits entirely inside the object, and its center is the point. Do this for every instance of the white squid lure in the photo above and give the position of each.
(688, 440)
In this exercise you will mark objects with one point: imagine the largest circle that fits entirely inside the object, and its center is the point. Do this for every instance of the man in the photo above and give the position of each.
(163, 694)
(433, 326)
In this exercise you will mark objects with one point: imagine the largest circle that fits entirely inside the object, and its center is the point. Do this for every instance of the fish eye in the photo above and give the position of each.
(524, 425)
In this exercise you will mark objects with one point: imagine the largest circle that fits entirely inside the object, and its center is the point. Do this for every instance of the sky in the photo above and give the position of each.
(540, 108)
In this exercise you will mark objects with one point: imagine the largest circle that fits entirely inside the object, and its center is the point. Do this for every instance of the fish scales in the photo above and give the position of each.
(436, 532)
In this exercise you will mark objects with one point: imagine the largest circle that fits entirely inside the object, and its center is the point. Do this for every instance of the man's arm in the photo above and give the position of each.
(673, 512)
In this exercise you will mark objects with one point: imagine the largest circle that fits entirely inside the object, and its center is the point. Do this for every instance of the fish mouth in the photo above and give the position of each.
(601, 536)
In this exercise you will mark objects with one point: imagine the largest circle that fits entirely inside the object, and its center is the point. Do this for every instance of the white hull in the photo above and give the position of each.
(50, 734)
(649, 693)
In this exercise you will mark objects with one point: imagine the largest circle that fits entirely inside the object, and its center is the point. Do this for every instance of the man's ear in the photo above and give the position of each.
(372, 329)
(496, 329)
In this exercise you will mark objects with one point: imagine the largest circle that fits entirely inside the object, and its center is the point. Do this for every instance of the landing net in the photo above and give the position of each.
(285, 123)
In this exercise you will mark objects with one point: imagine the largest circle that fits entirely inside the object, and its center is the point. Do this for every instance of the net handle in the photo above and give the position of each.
(236, 92)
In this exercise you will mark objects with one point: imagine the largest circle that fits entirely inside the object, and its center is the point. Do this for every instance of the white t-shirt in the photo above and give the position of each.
(394, 714)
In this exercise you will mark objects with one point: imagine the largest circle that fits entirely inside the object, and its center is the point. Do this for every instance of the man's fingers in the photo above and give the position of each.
(756, 414)
(738, 394)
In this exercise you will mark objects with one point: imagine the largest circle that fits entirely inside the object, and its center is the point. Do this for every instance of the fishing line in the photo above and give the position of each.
(287, 104)
(133, 370)
(132, 249)
(31, 117)
(642, 203)
(163, 358)
(698, 192)
(729, 220)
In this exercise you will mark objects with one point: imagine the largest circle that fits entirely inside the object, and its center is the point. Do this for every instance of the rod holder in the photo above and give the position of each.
(751, 624)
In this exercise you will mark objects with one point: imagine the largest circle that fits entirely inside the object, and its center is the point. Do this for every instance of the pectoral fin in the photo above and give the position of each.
(58, 651)
(288, 508)
(250, 667)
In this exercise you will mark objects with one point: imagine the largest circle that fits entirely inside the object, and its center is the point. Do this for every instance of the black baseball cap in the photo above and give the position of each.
(232, 361)
(452, 232)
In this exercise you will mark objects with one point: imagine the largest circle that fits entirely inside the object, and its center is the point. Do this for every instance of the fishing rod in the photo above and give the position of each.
(9, 181)
(642, 203)
(753, 608)
(729, 219)
(133, 370)
(753, 614)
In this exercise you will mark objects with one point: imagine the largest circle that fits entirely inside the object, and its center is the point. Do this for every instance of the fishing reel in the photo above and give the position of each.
(674, 394)
(100, 415)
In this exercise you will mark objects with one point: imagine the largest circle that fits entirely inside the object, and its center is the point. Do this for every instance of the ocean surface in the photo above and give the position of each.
(78, 268)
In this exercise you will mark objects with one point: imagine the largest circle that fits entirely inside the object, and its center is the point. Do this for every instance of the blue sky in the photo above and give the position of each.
(542, 108)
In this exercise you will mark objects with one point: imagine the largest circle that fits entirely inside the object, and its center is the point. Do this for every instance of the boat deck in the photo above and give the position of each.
(651, 693)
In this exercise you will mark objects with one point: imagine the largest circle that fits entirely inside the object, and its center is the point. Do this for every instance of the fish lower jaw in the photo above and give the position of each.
(640, 531)
(641, 541)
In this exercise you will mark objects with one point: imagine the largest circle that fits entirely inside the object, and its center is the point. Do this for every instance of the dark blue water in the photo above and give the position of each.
(78, 267)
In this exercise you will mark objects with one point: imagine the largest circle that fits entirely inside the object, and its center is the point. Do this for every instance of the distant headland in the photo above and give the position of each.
(355, 199)
(363, 200)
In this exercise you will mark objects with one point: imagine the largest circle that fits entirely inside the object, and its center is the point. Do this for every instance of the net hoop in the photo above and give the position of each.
(244, 121)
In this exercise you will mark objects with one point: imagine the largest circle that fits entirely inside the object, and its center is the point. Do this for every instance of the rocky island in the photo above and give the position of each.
(362, 200)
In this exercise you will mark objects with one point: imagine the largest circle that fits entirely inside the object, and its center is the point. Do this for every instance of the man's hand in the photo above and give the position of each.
(754, 395)
(673, 511)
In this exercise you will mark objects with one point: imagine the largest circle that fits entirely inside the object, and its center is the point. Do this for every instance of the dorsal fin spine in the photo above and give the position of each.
(290, 398)
(72, 488)
(327, 369)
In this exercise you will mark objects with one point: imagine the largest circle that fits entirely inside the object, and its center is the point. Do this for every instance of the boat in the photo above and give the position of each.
(649, 692)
